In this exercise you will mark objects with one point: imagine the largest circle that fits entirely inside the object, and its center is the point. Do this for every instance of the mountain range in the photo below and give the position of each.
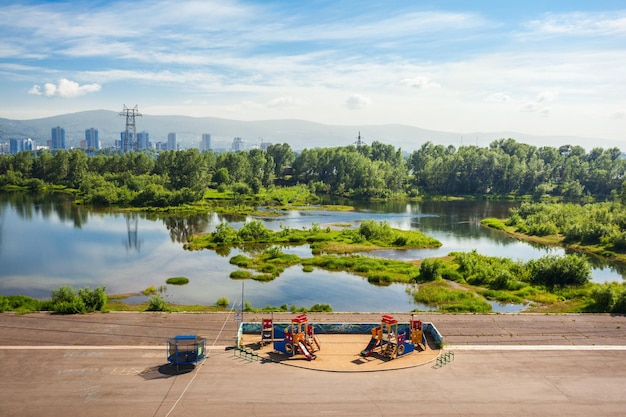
(299, 134)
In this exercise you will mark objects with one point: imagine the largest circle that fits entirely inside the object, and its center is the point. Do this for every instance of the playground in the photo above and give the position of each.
(339, 347)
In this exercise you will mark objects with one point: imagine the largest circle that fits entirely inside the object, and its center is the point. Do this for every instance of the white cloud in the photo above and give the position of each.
(579, 24)
(35, 90)
(356, 102)
(546, 96)
(498, 98)
(65, 89)
(287, 101)
(618, 115)
(539, 103)
(530, 107)
(420, 82)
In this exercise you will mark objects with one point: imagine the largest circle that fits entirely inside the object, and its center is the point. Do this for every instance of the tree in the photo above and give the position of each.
(559, 271)
(283, 157)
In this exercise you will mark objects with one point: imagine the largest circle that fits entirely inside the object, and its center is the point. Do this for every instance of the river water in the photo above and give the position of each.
(46, 242)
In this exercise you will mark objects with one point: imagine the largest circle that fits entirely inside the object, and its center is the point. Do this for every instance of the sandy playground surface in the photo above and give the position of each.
(342, 353)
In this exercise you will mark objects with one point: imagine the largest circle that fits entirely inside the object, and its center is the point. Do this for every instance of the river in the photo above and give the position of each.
(47, 242)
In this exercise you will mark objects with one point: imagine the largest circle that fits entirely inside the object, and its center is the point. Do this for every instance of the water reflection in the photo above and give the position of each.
(54, 243)
(132, 226)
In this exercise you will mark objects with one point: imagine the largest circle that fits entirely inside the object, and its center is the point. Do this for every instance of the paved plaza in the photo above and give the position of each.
(504, 365)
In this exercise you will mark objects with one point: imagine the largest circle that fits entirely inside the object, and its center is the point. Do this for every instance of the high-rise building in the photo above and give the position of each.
(15, 146)
(171, 141)
(126, 143)
(143, 140)
(205, 143)
(237, 144)
(58, 138)
(28, 145)
(91, 138)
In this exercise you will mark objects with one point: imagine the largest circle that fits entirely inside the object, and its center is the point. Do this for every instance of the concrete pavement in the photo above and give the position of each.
(505, 365)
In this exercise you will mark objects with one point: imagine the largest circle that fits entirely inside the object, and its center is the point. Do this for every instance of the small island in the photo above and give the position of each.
(369, 236)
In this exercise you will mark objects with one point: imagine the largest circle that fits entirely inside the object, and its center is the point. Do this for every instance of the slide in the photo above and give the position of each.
(305, 351)
(370, 347)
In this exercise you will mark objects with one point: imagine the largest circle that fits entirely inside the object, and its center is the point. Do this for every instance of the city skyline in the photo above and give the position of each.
(542, 68)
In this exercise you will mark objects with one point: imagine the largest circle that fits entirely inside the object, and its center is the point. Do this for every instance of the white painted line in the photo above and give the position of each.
(534, 347)
(130, 347)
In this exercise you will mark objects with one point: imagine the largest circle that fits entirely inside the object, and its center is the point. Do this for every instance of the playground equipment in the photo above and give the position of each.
(297, 338)
(392, 340)
(186, 349)
(267, 331)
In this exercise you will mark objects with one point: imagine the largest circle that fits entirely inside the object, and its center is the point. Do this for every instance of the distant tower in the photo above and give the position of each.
(91, 137)
(128, 143)
(237, 144)
(359, 140)
(58, 138)
(205, 143)
(171, 141)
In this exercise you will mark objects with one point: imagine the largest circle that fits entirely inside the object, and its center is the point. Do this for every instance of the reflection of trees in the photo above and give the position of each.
(2, 204)
(181, 228)
(26, 205)
(600, 263)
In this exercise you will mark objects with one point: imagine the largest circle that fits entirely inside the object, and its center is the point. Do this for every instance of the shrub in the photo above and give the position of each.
(620, 303)
(254, 231)
(604, 297)
(307, 268)
(94, 300)
(4, 304)
(156, 303)
(223, 302)
(66, 301)
(322, 308)
(430, 270)
(559, 271)
(22, 303)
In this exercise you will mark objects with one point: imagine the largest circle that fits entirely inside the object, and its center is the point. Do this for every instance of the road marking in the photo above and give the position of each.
(535, 347)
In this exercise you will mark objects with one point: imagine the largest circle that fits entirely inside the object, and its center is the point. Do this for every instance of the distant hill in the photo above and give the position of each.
(299, 134)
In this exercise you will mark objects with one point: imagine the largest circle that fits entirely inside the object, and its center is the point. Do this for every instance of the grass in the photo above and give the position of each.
(323, 240)
(377, 270)
(450, 300)
(177, 281)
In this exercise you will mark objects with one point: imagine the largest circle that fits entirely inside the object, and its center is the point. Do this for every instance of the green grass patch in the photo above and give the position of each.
(451, 300)
(177, 281)
(501, 296)
(377, 270)
(493, 223)
(241, 274)
(370, 236)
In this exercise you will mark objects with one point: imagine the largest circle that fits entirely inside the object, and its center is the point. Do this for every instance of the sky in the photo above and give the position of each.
(536, 67)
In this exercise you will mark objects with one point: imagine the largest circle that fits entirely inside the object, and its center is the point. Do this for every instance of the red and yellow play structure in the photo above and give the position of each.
(298, 338)
(391, 341)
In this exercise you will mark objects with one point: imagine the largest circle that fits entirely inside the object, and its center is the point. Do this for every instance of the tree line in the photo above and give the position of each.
(376, 171)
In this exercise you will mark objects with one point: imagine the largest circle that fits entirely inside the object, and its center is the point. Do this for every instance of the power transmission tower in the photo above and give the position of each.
(130, 143)
(359, 140)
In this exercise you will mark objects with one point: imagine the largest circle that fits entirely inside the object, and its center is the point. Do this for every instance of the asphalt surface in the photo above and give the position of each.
(504, 365)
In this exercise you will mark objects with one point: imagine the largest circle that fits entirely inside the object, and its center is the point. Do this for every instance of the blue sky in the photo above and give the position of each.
(537, 67)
